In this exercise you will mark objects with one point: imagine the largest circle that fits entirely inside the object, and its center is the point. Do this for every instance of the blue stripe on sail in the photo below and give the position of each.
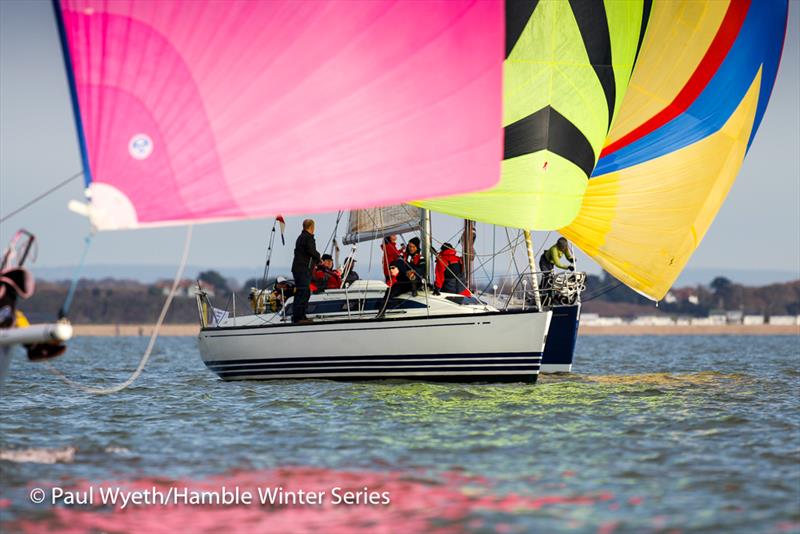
(758, 45)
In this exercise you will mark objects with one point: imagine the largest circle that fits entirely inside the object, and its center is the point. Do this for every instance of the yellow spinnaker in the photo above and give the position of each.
(642, 223)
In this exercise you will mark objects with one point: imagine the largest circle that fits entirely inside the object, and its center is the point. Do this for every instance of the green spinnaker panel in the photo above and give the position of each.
(564, 75)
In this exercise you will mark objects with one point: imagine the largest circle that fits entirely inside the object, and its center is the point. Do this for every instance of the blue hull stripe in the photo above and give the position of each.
(439, 370)
(379, 364)
(433, 357)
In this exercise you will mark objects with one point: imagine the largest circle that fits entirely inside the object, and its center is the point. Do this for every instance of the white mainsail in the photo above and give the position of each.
(376, 223)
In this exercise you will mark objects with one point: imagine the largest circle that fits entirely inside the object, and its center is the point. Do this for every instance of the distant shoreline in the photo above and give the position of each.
(111, 330)
(688, 330)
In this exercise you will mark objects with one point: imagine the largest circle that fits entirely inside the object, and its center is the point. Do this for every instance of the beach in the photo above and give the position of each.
(105, 330)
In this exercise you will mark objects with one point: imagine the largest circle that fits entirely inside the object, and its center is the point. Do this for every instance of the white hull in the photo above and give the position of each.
(490, 346)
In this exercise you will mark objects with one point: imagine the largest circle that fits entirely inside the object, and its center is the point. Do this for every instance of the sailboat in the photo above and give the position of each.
(42, 341)
(538, 116)
(361, 331)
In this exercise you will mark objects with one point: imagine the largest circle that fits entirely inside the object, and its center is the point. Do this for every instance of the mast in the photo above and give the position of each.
(425, 238)
(532, 264)
(468, 248)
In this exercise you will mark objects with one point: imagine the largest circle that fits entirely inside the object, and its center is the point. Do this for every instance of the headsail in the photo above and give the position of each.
(566, 71)
(201, 111)
(697, 95)
(376, 223)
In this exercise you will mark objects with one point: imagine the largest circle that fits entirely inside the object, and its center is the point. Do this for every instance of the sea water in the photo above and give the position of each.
(649, 434)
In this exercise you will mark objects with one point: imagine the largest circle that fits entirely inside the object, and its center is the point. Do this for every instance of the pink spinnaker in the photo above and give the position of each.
(199, 111)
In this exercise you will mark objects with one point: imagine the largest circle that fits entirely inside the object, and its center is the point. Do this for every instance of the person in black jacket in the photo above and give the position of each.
(305, 258)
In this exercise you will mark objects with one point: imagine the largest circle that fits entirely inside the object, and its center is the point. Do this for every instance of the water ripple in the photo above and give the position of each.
(650, 435)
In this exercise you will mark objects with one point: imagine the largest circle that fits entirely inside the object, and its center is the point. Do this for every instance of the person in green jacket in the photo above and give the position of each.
(552, 258)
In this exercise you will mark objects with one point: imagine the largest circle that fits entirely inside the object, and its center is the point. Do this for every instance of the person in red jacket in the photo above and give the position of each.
(390, 254)
(325, 276)
(449, 270)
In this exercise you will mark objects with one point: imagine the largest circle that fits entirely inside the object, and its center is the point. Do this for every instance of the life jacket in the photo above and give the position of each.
(448, 268)
(416, 263)
(325, 278)
(390, 255)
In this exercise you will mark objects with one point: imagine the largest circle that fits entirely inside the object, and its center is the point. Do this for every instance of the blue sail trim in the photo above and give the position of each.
(73, 92)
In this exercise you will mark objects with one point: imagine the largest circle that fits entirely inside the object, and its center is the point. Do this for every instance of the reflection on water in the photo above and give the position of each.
(650, 435)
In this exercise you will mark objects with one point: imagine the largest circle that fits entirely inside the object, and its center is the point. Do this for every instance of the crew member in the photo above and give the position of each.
(552, 258)
(449, 269)
(391, 253)
(325, 276)
(412, 269)
(282, 290)
(305, 257)
(349, 272)
(405, 274)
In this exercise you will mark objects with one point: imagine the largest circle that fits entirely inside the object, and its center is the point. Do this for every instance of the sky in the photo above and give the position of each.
(758, 227)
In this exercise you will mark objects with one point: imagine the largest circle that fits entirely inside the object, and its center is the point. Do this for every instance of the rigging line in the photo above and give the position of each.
(75, 277)
(544, 242)
(335, 229)
(153, 337)
(511, 245)
(514, 252)
(601, 293)
(513, 261)
(40, 197)
(494, 246)
(269, 255)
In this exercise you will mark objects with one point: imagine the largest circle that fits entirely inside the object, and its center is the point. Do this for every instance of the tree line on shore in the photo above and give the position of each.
(126, 301)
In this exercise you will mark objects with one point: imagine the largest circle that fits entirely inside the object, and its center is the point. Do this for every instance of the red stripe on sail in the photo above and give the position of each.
(713, 58)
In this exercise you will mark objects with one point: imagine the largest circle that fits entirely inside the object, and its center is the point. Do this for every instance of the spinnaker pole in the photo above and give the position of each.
(532, 265)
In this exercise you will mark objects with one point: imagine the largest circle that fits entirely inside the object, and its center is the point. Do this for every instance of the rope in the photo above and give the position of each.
(153, 337)
(602, 292)
(75, 276)
(333, 234)
(40, 197)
